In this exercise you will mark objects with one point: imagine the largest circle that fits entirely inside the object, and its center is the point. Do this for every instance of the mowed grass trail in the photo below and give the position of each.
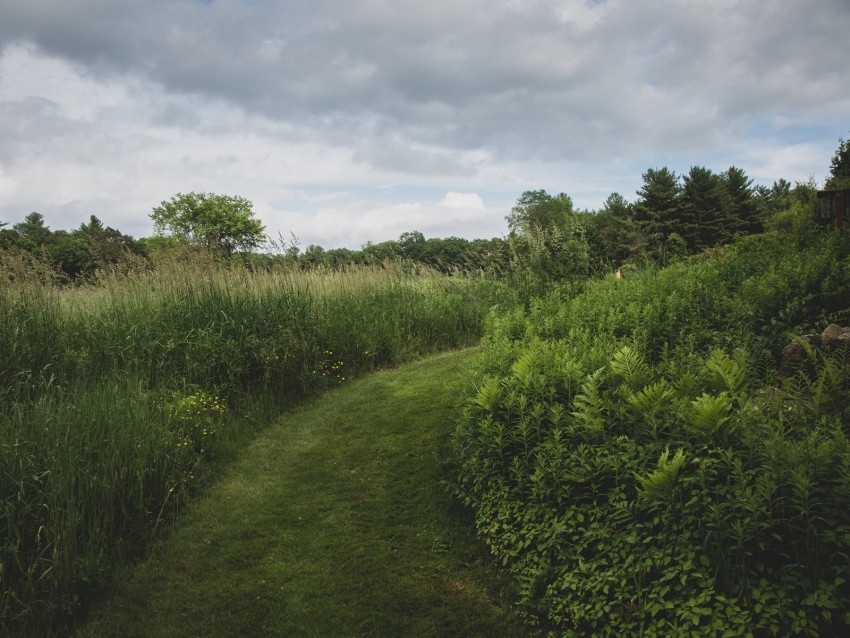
(334, 522)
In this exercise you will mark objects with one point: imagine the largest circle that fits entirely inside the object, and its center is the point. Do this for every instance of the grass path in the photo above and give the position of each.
(333, 522)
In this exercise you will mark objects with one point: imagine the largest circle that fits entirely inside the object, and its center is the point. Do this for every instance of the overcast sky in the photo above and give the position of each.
(357, 120)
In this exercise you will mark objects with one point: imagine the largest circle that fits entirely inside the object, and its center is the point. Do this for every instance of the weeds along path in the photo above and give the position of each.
(333, 522)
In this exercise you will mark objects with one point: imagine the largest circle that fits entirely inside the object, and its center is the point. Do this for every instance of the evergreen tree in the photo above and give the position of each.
(744, 209)
(839, 169)
(106, 245)
(611, 234)
(705, 209)
(778, 198)
(33, 230)
(658, 207)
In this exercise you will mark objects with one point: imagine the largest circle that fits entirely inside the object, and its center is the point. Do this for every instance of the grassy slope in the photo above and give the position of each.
(333, 522)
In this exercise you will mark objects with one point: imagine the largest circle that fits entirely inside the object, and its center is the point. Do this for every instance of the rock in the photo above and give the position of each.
(835, 337)
(796, 353)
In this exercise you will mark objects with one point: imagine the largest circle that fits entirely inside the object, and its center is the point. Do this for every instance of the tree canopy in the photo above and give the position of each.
(224, 222)
(839, 169)
(540, 211)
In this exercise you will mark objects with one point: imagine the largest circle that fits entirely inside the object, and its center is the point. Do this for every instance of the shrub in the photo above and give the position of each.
(633, 457)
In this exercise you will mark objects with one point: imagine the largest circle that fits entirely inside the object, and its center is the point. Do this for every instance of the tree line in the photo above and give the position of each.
(549, 240)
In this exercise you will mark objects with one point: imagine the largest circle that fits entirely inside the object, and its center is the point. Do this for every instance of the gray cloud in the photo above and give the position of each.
(457, 90)
(505, 76)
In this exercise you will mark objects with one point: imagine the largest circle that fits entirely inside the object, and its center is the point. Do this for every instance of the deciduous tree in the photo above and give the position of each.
(221, 222)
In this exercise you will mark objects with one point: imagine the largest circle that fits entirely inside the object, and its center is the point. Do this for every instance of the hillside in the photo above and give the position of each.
(647, 458)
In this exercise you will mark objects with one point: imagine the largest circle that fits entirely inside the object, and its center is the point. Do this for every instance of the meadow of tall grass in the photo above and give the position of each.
(118, 396)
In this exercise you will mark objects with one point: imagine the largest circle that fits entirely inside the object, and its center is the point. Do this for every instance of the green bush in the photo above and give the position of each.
(633, 457)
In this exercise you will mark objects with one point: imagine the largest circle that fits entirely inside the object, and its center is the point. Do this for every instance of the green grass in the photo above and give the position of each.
(333, 522)
(119, 400)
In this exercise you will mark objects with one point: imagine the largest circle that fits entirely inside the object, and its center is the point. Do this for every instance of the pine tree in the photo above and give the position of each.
(839, 170)
(744, 209)
(705, 209)
(657, 211)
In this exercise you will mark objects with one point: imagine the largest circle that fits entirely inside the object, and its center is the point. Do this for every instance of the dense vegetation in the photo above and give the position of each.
(630, 450)
(548, 240)
(116, 397)
(636, 460)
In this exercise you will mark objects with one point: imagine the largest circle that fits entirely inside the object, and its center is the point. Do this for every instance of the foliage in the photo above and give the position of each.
(547, 242)
(657, 208)
(839, 167)
(117, 399)
(633, 457)
(540, 211)
(75, 255)
(612, 235)
(706, 209)
(224, 222)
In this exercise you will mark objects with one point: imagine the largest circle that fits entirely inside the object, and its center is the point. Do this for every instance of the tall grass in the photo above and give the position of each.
(117, 396)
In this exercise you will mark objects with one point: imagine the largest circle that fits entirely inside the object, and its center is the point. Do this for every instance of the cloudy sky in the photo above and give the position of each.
(357, 120)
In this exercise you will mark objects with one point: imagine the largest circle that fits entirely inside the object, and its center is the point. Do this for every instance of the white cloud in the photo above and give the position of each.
(331, 117)
(469, 201)
(457, 214)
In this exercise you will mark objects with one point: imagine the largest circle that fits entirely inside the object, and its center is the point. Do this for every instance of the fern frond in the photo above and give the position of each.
(726, 373)
(658, 485)
(523, 367)
(588, 404)
(489, 393)
(708, 415)
(649, 400)
(630, 366)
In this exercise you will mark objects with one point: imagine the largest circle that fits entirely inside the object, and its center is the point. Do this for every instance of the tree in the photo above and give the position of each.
(611, 234)
(547, 239)
(107, 245)
(412, 244)
(744, 209)
(839, 168)
(34, 230)
(218, 222)
(538, 210)
(8, 237)
(314, 255)
(704, 218)
(657, 209)
(380, 252)
(71, 253)
(778, 198)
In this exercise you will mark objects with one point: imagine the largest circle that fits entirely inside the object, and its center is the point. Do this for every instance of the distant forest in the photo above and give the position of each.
(672, 217)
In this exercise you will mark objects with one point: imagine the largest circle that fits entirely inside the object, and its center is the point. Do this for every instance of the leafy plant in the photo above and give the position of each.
(633, 456)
